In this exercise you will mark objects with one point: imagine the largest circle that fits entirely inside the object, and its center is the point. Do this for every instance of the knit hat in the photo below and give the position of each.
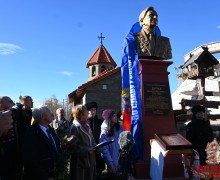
(107, 113)
(198, 108)
(126, 140)
(91, 105)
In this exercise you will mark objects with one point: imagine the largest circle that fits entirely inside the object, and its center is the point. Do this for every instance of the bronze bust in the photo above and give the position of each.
(149, 44)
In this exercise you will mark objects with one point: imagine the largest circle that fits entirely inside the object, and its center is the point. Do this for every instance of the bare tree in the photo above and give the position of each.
(67, 108)
(53, 104)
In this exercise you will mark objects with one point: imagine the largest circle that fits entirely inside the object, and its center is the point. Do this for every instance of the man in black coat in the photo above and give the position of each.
(25, 105)
(41, 148)
(22, 116)
(199, 132)
(95, 125)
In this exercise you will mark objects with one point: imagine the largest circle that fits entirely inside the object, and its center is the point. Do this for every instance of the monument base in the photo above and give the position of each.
(143, 169)
(173, 167)
(157, 114)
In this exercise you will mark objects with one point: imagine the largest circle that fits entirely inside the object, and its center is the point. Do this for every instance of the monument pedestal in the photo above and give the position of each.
(157, 111)
(159, 154)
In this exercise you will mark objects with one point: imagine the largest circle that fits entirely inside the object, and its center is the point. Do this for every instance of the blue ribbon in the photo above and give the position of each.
(131, 85)
(131, 81)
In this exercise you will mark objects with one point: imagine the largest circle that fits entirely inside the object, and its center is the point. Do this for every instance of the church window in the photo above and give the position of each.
(103, 68)
(104, 86)
(93, 71)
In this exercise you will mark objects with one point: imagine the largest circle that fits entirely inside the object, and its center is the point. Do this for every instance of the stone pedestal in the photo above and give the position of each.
(157, 112)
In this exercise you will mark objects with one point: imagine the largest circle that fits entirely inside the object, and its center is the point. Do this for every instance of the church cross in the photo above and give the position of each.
(101, 37)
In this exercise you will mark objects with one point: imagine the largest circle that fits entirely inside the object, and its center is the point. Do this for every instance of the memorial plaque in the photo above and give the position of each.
(157, 101)
(173, 141)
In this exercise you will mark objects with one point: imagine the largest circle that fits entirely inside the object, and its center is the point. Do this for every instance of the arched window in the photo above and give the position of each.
(103, 68)
(93, 71)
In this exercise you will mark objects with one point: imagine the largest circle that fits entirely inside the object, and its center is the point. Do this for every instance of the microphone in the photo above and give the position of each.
(126, 141)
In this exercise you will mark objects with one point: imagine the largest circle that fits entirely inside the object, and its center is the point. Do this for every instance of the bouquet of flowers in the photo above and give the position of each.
(213, 158)
(213, 152)
(68, 146)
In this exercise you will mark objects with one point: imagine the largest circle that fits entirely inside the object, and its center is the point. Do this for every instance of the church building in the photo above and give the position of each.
(103, 85)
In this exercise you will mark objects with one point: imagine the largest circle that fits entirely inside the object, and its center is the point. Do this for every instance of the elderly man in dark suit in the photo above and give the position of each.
(41, 147)
(149, 44)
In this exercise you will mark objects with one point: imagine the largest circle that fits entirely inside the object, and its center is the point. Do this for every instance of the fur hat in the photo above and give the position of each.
(107, 113)
(198, 108)
(91, 105)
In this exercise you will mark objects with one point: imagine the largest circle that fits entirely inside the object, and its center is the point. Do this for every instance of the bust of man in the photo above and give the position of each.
(149, 44)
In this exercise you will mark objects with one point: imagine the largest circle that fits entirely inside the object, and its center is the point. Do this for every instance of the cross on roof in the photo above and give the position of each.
(101, 37)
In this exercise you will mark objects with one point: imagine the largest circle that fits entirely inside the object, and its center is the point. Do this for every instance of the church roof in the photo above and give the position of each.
(80, 91)
(101, 55)
(102, 75)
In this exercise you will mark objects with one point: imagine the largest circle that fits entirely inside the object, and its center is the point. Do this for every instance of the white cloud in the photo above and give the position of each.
(69, 74)
(218, 26)
(8, 48)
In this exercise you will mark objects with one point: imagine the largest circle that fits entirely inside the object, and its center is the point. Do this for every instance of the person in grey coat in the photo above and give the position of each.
(82, 163)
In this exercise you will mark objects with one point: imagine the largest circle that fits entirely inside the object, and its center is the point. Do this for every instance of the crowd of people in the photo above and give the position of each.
(31, 148)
